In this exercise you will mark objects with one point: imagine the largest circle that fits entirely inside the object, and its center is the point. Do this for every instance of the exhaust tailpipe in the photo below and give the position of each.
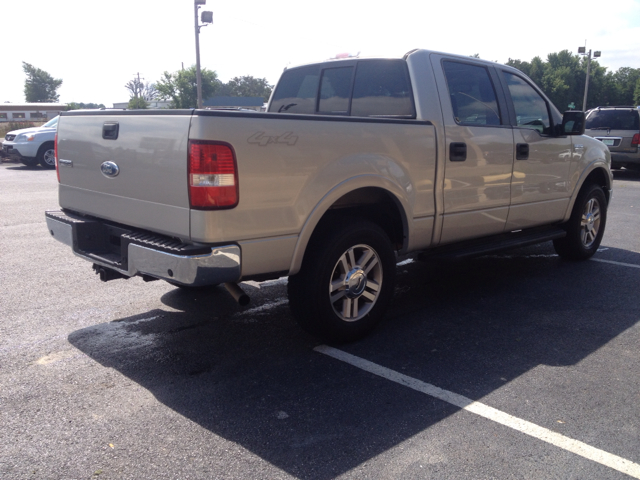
(237, 293)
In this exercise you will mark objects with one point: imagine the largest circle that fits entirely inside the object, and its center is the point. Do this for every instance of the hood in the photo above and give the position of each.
(22, 131)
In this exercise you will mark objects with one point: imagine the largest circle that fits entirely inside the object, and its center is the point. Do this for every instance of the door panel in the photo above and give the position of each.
(540, 185)
(479, 151)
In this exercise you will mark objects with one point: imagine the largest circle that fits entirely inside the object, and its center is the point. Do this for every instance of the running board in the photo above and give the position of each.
(496, 243)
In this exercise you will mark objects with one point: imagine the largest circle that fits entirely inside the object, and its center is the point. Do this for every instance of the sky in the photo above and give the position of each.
(97, 47)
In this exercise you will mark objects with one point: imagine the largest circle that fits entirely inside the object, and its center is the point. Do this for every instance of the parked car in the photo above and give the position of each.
(619, 129)
(32, 146)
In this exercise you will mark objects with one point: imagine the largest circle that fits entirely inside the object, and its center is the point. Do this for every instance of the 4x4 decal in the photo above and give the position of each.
(261, 139)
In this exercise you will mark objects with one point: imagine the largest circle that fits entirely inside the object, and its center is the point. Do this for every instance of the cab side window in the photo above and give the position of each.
(335, 90)
(531, 109)
(296, 91)
(368, 88)
(473, 97)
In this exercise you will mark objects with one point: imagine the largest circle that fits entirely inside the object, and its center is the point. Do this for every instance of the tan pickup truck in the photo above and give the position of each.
(355, 162)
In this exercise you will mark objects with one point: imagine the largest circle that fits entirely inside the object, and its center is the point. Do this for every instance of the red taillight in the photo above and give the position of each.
(55, 154)
(636, 139)
(213, 175)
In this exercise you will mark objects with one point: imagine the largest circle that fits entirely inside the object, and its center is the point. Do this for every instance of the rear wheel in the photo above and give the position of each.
(47, 155)
(346, 281)
(585, 228)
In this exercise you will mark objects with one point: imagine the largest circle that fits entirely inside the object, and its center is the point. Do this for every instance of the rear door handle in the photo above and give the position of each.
(457, 151)
(522, 151)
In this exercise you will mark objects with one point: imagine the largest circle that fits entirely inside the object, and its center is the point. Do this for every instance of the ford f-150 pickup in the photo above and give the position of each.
(355, 162)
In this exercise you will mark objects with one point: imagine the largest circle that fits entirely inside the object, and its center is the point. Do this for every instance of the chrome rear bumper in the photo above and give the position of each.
(136, 253)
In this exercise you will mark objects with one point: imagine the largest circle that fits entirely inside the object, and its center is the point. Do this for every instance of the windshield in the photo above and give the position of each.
(613, 120)
(52, 123)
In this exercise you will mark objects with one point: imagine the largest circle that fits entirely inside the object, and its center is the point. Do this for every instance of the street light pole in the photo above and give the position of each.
(196, 6)
(582, 51)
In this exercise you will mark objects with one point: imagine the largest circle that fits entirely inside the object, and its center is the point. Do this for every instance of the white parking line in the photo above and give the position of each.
(616, 263)
(600, 456)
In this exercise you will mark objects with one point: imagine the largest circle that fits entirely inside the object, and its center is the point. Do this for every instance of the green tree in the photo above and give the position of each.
(40, 86)
(82, 106)
(563, 76)
(626, 80)
(247, 86)
(524, 67)
(636, 94)
(180, 87)
(536, 70)
(137, 103)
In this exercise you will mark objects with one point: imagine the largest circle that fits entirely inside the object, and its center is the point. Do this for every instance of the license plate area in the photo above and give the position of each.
(610, 141)
(102, 241)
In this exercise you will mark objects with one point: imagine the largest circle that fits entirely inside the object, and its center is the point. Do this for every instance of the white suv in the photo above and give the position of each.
(32, 145)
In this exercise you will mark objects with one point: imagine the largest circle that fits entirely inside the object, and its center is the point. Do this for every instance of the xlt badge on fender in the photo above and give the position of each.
(109, 169)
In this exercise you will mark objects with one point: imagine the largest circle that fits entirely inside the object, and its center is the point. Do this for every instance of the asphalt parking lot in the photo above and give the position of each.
(517, 365)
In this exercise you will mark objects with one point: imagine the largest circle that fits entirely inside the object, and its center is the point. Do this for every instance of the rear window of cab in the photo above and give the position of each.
(368, 88)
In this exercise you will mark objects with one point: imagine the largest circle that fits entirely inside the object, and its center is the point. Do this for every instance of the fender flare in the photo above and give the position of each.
(354, 183)
(593, 166)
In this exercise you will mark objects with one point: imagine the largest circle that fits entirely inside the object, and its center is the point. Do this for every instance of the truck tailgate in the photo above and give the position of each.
(145, 182)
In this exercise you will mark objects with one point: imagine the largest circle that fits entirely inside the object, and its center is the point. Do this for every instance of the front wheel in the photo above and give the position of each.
(47, 155)
(346, 281)
(585, 228)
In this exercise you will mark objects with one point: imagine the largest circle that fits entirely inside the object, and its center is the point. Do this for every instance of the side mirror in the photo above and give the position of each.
(572, 123)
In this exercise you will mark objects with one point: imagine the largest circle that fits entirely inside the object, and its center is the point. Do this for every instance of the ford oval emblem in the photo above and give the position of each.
(109, 169)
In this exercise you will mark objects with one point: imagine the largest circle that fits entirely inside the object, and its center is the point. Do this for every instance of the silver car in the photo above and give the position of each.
(32, 146)
(619, 129)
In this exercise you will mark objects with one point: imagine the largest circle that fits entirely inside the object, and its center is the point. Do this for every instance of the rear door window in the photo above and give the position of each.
(473, 97)
(382, 89)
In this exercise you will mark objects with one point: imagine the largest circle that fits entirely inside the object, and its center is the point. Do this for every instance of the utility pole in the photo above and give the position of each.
(582, 51)
(207, 17)
(139, 85)
(196, 6)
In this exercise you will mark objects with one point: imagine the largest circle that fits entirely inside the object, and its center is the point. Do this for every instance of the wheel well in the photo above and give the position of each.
(46, 145)
(373, 204)
(599, 177)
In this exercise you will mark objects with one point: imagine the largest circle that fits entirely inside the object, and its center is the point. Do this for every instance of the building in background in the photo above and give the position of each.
(245, 103)
(30, 112)
(251, 103)
(153, 104)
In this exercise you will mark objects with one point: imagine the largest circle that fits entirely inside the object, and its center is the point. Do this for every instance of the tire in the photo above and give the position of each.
(346, 281)
(29, 161)
(586, 226)
(46, 155)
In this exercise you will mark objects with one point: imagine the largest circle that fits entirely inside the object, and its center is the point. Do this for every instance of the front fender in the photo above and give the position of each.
(595, 157)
